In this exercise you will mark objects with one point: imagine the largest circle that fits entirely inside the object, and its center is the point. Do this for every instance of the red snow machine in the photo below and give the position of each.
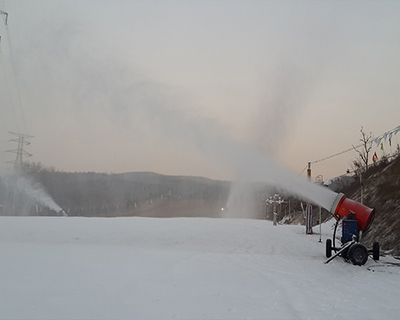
(356, 219)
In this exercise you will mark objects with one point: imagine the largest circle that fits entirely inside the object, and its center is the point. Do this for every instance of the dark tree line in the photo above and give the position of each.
(90, 193)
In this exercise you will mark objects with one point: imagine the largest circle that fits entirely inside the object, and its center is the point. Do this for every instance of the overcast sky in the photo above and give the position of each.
(164, 86)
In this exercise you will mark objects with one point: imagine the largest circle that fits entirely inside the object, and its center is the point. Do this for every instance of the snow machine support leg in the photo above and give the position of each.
(375, 251)
(345, 247)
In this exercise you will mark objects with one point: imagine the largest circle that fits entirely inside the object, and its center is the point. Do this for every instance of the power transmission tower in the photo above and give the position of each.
(22, 141)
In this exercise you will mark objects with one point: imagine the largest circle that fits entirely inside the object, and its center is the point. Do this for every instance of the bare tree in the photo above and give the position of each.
(356, 166)
(366, 146)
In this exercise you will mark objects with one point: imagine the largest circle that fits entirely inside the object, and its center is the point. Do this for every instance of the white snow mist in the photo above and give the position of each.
(36, 193)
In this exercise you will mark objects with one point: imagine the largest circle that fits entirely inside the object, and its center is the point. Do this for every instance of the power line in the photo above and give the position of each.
(14, 71)
(337, 154)
(303, 169)
(342, 152)
(9, 91)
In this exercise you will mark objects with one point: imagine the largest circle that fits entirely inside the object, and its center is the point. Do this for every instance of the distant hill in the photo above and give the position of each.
(99, 194)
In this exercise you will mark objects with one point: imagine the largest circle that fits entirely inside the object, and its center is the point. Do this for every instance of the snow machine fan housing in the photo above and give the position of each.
(342, 207)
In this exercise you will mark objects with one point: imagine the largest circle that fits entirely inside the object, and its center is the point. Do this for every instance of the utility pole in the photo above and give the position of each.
(362, 188)
(309, 229)
(320, 223)
(319, 179)
(21, 140)
(271, 200)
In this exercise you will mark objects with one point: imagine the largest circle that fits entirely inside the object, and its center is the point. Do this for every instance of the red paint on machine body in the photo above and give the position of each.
(363, 214)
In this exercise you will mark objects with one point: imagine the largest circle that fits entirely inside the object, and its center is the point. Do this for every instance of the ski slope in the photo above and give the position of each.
(182, 268)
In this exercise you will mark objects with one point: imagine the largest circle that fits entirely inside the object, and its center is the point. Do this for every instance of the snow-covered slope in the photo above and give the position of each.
(141, 268)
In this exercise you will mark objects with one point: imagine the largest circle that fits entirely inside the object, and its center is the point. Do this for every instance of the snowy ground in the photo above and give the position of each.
(141, 268)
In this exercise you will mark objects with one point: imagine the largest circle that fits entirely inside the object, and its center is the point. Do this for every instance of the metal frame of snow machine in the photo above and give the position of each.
(351, 249)
(356, 218)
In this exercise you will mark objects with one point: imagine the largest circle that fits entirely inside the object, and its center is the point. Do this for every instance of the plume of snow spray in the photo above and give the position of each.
(253, 167)
(148, 101)
(226, 153)
(214, 142)
(36, 192)
(244, 162)
(241, 202)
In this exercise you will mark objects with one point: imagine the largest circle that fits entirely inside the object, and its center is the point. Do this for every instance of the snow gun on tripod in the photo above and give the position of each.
(356, 219)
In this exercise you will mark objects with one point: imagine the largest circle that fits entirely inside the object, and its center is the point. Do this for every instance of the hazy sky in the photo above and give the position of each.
(116, 86)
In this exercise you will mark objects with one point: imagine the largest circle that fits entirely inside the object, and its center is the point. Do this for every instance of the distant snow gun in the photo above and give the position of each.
(356, 218)
(62, 213)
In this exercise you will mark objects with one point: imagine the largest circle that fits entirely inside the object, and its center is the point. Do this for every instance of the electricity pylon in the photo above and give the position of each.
(21, 140)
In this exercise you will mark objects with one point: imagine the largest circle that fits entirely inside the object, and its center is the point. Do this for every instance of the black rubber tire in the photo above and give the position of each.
(358, 254)
(375, 251)
(328, 248)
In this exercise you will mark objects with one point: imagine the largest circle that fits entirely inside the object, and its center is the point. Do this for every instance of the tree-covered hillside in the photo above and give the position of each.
(98, 194)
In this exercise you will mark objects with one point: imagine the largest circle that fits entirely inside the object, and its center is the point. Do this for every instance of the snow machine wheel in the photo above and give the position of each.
(375, 251)
(328, 248)
(358, 254)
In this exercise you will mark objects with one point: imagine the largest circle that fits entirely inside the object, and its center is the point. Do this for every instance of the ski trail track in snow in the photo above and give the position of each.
(188, 268)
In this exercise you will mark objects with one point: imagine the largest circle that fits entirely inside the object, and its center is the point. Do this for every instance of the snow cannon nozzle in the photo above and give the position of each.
(62, 213)
(343, 207)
